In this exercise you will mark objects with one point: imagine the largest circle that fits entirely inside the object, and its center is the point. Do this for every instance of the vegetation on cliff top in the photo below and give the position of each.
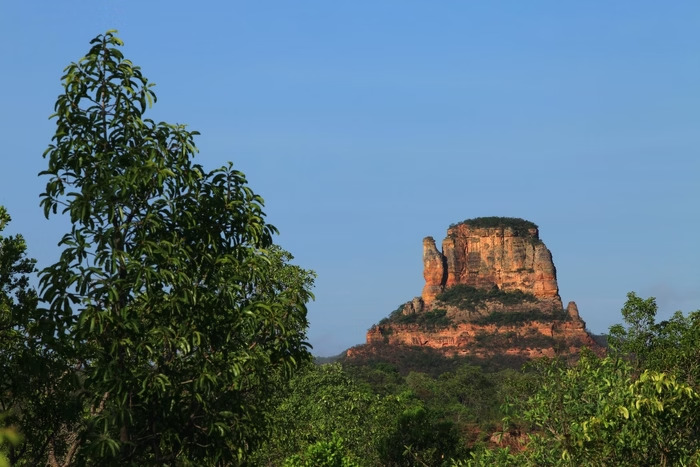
(470, 298)
(512, 318)
(520, 226)
(429, 320)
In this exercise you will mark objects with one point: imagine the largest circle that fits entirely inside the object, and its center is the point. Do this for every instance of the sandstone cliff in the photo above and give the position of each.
(487, 254)
(492, 290)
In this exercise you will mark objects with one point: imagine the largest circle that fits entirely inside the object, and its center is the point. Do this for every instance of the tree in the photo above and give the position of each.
(36, 403)
(169, 292)
(322, 404)
(671, 346)
(596, 412)
(17, 302)
(323, 454)
(565, 399)
(657, 423)
(636, 340)
(419, 437)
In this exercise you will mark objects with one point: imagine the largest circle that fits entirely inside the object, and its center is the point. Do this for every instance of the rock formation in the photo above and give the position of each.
(482, 257)
(492, 290)
(434, 270)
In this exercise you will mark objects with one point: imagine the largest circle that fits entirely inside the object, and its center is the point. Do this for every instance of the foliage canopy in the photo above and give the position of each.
(670, 345)
(466, 297)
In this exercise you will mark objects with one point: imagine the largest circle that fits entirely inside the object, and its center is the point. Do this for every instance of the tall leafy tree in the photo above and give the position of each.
(169, 292)
(636, 339)
(671, 346)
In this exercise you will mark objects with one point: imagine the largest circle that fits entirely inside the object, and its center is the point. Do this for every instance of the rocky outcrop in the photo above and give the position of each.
(531, 339)
(483, 257)
(434, 270)
(491, 291)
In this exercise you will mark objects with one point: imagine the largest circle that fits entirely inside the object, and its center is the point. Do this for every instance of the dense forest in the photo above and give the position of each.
(172, 332)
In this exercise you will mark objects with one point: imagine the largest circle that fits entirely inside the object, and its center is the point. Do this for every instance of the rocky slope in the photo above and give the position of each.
(491, 291)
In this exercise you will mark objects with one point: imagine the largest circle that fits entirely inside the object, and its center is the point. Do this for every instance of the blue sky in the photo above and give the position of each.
(368, 125)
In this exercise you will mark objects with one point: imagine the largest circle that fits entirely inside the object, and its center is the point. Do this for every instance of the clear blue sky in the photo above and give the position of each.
(367, 125)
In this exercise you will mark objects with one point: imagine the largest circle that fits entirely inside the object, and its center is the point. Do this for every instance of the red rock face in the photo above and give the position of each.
(533, 339)
(434, 270)
(487, 257)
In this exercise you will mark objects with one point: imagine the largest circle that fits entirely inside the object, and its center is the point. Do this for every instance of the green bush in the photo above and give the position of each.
(430, 319)
(407, 358)
(470, 298)
(509, 318)
(419, 437)
(323, 454)
(427, 360)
